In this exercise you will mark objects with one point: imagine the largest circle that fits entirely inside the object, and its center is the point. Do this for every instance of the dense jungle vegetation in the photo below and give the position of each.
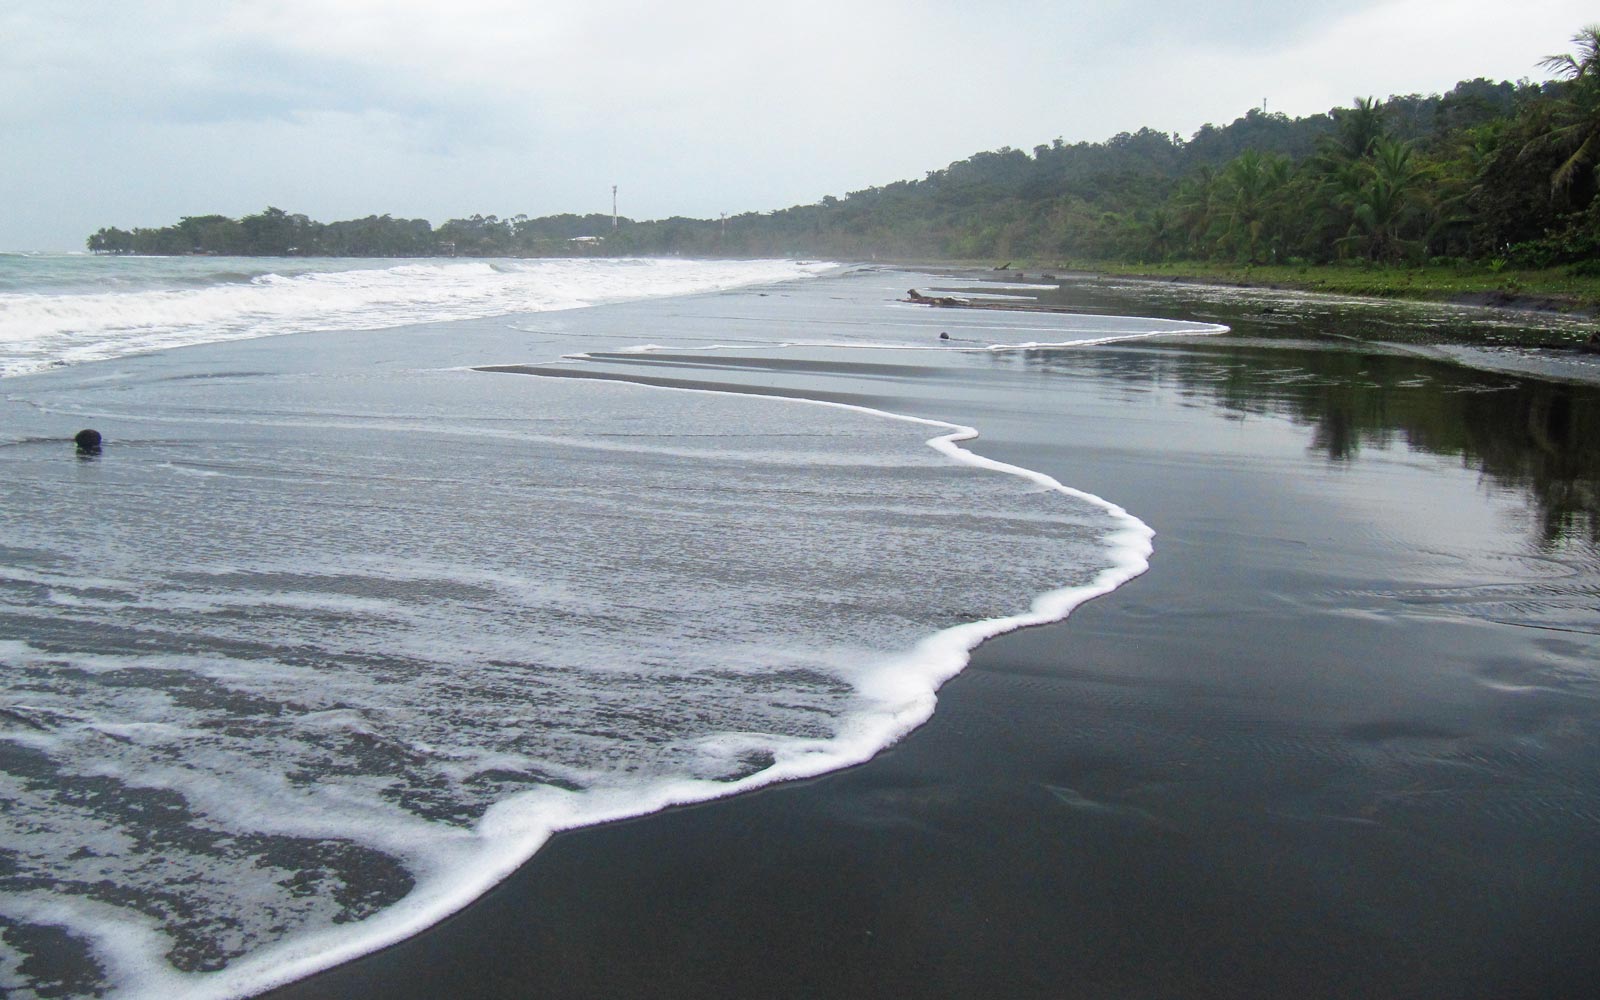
(1499, 174)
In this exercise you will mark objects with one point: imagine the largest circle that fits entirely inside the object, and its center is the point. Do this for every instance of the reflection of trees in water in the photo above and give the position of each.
(1542, 438)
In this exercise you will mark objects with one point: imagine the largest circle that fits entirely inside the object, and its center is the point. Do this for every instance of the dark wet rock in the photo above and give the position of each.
(88, 441)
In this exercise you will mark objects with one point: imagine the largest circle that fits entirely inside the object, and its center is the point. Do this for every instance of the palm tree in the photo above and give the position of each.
(1575, 128)
(1356, 130)
(1394, 195)
(1246, 203)
(1149, 233)
(1586, 64)
(1344, 173)
(1192, 203)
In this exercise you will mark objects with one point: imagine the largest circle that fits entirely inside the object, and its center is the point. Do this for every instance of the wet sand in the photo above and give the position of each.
(1342, 740)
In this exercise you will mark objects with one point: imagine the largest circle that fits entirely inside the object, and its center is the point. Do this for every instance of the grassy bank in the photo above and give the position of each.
(1554, 288)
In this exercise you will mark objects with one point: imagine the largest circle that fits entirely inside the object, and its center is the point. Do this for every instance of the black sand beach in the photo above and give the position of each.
(1342, 740)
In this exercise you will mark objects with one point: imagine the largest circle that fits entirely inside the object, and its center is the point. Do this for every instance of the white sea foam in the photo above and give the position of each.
(449, 711)
(897, 694)
(128, 945)
(42, 329)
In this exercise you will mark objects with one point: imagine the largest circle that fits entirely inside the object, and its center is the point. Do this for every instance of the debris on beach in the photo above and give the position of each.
(935, 300)
(88, 441)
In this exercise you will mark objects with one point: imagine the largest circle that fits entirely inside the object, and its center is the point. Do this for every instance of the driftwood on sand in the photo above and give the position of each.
(951, 302)
(946, 301)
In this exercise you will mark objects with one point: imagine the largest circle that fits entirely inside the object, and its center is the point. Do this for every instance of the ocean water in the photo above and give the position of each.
(69, 308)
(340, 627)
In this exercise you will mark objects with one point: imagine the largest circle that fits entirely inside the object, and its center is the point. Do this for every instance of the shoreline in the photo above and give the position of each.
(992, 849)
(1494, 298)
(1534, 352)
(938, 657)
(1538, 292)
(943, 656)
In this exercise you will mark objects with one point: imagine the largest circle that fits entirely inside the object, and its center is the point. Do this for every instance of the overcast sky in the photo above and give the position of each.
(137, 112)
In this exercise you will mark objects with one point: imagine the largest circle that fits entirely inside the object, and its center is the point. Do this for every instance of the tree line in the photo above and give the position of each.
(1500, 173)
(276, 233)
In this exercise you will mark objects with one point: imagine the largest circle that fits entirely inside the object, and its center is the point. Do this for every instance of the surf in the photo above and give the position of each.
(55, 312)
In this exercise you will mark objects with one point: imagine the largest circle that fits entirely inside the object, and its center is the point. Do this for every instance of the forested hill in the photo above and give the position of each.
(1488, 171)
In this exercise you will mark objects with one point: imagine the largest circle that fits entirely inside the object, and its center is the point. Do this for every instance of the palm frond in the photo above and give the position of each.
(1561, 65)
(1585, 156)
